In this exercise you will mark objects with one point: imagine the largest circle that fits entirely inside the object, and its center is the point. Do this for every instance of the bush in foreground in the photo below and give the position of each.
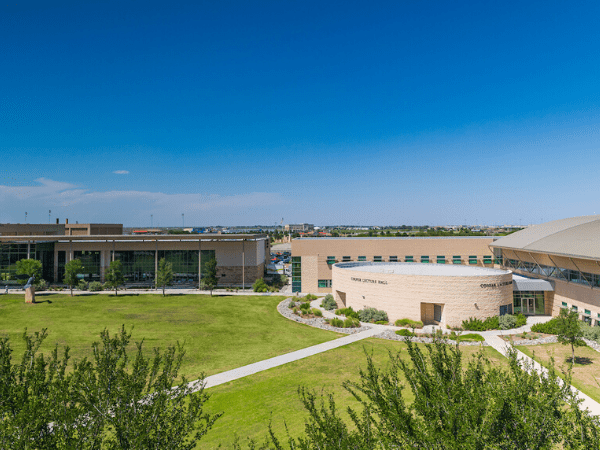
(371, 315)
(112, 401)
(472, 405)
(348, 312)
(95, 286)
(409, 323)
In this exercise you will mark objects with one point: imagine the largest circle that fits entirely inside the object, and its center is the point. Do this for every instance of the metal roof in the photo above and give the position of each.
(577, 237)
(137, 238)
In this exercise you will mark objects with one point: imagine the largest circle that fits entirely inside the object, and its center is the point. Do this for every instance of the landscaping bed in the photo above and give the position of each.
(391, 335)
(529, 338)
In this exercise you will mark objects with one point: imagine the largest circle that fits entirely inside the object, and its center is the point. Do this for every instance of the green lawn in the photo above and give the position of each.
(586, 371)
(220, 333)
(249, 403)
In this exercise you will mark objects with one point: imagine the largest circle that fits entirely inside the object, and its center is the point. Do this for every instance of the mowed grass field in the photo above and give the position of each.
(219, 333)
(251, 402)
(586, 371)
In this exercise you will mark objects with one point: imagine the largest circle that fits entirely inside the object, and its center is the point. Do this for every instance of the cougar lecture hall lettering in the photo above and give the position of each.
(368, 280)
(495, 285)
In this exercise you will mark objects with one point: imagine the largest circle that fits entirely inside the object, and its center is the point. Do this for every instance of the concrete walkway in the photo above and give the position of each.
(502, 346)
(250, 369)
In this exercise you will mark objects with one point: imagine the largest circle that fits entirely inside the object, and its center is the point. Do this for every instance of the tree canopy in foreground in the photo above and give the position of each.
(457, 405)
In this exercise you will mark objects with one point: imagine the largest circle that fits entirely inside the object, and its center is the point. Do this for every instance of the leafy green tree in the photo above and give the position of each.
(29, 267)
(164, 276)
(114, 275)
(72, 269)
(112, 401)
(568, 330)
(210, 279)
(450, 405)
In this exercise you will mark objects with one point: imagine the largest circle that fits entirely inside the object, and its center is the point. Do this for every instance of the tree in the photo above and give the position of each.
(114, 275)
(72, 269)
(569, 330)
(473, 406)
(111, 401)
(29, 267)
(164, 275)
(210, 279)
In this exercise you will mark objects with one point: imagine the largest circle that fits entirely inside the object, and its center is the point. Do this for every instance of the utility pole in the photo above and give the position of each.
(151, 220)
(182, 221)
(25, 217)
(49, 212)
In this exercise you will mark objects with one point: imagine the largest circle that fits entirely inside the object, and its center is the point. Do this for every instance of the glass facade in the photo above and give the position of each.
(9, 255)
(529, 302)
(90, 260)
(560, 273)
(296, 274)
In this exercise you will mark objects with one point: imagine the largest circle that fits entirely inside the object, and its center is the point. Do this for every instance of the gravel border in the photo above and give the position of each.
(317, 322)
(542, 341)
(592, 344)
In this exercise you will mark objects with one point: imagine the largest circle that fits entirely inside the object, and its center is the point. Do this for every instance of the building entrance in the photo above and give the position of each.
(529, 303)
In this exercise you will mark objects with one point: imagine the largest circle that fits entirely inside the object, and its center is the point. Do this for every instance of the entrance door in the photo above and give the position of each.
(528, 306)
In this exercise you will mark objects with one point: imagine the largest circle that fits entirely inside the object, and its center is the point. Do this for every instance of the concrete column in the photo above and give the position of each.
(103, 260)
(28, 249)
(56, 264)
(199, 261)
(113, 251)
(243, 265)
(70, 256)
(155, 262)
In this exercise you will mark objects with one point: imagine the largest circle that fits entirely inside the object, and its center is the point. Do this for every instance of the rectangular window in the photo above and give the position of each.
(424, 259)
(377, 258)
(456, 259)
(393, 259)
(441, 259)
(588, 312)
(331, 260)
(487, 260)
(362, 258)
(472, 259)
(296, 274)
(324, 283)
(437, 313)
(408, 259)
(574, 308)
(346, 258)
(564, 305)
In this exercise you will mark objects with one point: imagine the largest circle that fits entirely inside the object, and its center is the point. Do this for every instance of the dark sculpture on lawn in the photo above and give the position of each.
(29, 282)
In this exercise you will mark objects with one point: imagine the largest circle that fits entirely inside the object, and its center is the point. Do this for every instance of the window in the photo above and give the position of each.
(362, 258)
(324, 283)
(296, 274)
(425, 259)
(437, 313)
(587, 311)
(393, 259)
(487, 259)
(473, 259)
(408, 259)
(441, 259)
(346, 258)
(564, 305)
(574, 308)
(376, 258)
(456, 259)
(331, 260)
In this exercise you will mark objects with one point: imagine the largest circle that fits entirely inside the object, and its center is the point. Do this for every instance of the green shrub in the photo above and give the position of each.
(260, 286)
(40, 285)
(521, 320)
(95, 286)
(328, 303)
(409, 323)
(310, 297)
(295, 310)
(335, 322)
(82, 285)
(492, 323)
(507, 321)
(470, 337)
(549, 327)
(317, 312)
(473, 324)
(291, 304)
(348, 312)
(305, 306)
(372, 315)
(591, 333)
(404, 332)
(382, 322)
(351, 322)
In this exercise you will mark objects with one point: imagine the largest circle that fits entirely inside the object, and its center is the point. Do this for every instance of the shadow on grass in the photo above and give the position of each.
(43, 301)
(582, 360)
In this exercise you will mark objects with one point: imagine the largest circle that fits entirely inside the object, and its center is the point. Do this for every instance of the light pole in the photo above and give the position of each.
(182, 221)
(25, 217)
(151, 220)
(49, 212)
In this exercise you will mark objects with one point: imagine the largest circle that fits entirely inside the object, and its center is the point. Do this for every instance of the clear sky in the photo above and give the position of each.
(247, 112)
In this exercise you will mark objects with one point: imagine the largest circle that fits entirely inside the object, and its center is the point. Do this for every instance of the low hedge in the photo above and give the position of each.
(550, 327)
(348, 312)
(472, 337)
(404, 332)
(409, 323)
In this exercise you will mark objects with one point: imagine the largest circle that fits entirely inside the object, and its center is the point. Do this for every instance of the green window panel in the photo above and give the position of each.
(472, 259)
(441, 259)
(393, 259)
(408, 259)
(425, 259)
(362, 258)
(487, 260)
(346, 259)
(574, 308)
(331, 260)
(377, 259)
(324, 283)
(456, 259)
(588, 312)
(564, 305)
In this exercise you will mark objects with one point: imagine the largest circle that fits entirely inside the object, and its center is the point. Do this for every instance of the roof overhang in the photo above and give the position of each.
(521, 283)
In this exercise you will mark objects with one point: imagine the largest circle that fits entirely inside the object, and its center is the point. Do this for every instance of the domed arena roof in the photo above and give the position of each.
(577, 237)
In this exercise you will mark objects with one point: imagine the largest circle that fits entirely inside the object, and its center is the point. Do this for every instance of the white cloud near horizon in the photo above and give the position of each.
(132, 207)
(121, 172)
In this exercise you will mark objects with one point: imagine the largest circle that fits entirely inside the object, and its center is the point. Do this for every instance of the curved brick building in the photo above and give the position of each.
(433, 293)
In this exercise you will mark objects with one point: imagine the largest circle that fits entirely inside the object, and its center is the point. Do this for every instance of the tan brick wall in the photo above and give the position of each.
(321, 248)
(403, 295)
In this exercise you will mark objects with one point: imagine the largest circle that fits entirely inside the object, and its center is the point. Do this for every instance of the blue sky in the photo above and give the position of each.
(347, 112)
